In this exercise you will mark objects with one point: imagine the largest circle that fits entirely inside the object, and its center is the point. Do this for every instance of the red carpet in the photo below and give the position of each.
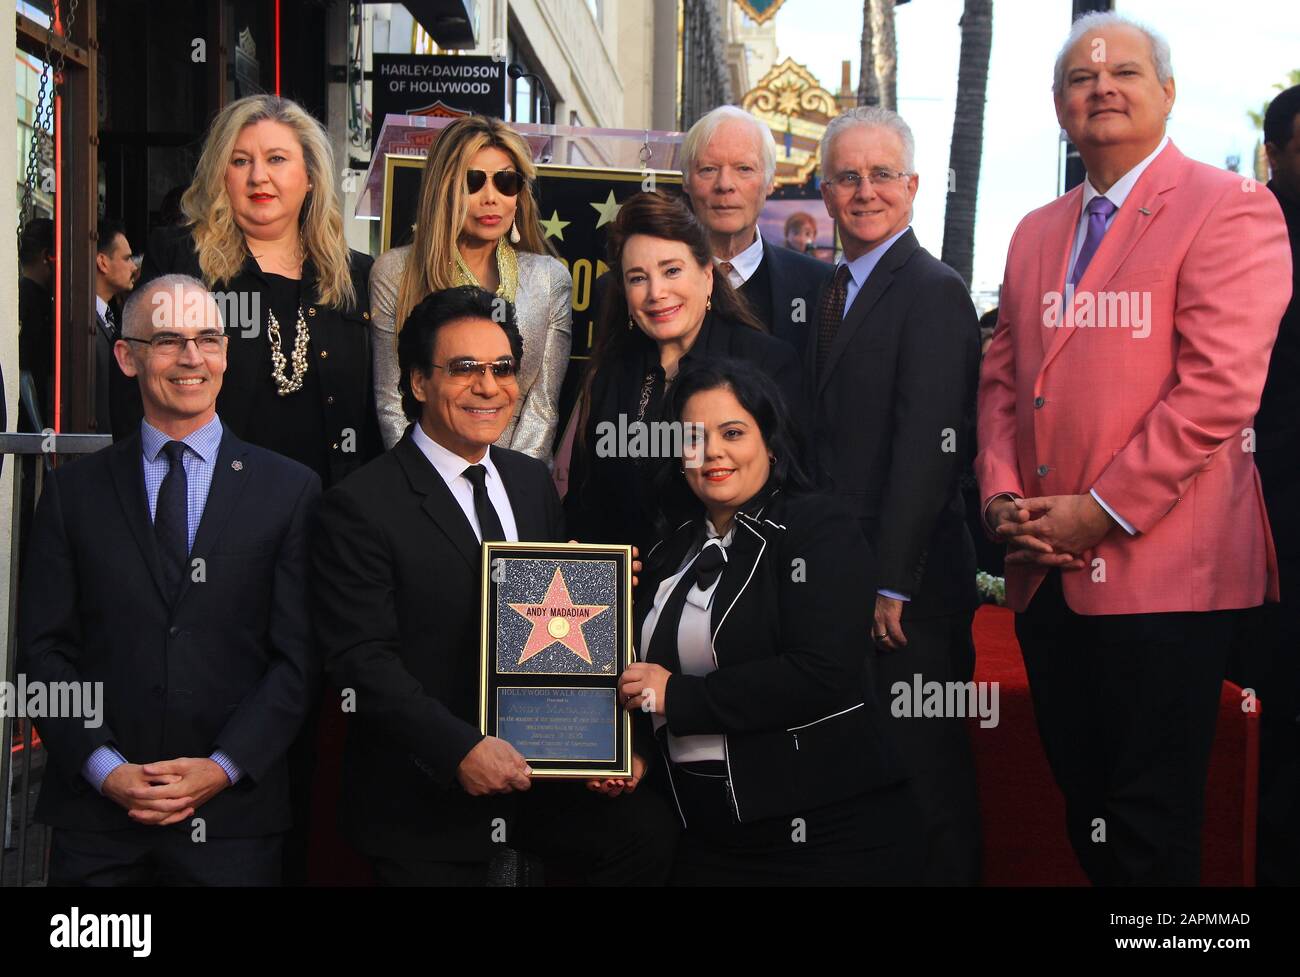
(1024, 815)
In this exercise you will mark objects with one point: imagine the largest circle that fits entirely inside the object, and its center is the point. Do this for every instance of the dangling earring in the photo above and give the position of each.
(629, 320)
(514, 232)
(708, 303)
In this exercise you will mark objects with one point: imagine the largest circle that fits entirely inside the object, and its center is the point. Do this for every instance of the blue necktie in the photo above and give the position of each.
(1099, 211)
(171, 519)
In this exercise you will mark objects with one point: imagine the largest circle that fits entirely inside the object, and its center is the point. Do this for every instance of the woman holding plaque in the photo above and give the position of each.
(476, 224)
(264, 231)
(664, 310)
(754, 647)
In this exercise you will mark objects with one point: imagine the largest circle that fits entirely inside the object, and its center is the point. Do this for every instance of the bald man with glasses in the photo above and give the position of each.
(168, 577)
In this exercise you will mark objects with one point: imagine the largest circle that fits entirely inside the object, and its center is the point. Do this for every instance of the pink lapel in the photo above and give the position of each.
(1054, 257)
(1130, 223)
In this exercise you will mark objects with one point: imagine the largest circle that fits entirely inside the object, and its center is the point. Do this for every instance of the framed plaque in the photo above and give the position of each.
(556, 635)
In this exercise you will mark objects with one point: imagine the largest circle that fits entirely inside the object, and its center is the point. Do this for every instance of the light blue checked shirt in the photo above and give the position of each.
(200, 461)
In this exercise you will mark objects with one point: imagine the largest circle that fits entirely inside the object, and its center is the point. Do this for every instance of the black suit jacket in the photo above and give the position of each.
(794, 281)
(894, 424)
(397, 578)
(793, 689)
(229, 665)
(340, 350)
(612, 499)
(1277, 422)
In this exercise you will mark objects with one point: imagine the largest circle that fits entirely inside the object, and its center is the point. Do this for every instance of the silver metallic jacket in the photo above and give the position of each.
(545, 320)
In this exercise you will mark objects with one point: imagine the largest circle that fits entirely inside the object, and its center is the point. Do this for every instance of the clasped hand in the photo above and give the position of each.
(1051, 530)
(167, 791)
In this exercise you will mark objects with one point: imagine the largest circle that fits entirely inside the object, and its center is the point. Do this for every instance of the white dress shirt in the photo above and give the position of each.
(1117, 194)
(101, 308)
(451, 467)
(746, 263)
(694, 649)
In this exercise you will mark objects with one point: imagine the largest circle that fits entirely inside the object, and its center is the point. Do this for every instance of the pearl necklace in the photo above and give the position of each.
(284, 384)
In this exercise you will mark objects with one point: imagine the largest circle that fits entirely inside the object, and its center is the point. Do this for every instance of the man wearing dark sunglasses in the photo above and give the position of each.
(397, 596)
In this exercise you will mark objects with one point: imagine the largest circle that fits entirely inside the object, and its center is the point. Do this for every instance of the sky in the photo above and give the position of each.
(1223, 67)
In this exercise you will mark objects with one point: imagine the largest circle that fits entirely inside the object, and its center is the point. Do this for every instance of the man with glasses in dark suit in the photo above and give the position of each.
(428, 798)
(168, 581)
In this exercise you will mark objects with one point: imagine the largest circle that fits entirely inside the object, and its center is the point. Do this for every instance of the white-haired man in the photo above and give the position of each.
(1116, 458)
(892, 369)
(728, 166)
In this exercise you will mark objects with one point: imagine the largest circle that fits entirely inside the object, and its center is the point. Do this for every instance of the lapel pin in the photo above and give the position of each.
(237, 465)
(1143, 210)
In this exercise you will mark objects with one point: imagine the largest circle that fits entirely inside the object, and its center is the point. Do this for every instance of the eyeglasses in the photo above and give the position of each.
(850, 181)
(508, 182)
(466, 369)
(170, 344)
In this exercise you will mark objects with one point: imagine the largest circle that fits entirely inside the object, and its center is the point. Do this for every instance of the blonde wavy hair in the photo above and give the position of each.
(220, 243)
(443, 204)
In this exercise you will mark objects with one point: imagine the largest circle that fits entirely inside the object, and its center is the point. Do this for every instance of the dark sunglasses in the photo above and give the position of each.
(508, 182)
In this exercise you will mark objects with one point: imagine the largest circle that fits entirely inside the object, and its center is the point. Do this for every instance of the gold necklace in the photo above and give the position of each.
(507, 271)
(284, 384)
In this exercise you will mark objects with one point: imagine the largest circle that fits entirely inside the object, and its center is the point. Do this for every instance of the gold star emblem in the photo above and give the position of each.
(607, 210)
(555, 227)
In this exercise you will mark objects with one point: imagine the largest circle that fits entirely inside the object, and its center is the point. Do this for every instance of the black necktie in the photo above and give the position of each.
(489, 523)
(831, 314)
(171, 519)
(663, 643)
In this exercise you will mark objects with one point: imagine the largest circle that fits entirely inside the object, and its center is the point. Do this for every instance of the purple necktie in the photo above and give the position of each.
(1099, 211)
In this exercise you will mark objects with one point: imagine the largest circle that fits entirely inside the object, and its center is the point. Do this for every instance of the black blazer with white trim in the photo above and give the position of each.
(792, 692)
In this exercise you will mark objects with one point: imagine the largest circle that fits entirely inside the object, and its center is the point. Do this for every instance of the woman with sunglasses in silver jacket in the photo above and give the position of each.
(476, 224)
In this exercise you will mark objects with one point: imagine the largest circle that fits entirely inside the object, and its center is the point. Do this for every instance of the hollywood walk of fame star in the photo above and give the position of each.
(607, 210)
(555, 227)
(557, 619)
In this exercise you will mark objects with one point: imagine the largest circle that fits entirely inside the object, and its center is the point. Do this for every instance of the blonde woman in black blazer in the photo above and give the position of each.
(753, 695)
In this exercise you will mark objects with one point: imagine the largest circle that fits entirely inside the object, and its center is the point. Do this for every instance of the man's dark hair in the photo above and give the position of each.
(36, 240)
(1279, 117)
(418, 335)
(109, 230)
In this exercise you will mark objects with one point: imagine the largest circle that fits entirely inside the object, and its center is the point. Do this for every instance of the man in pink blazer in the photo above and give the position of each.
(1137, 317)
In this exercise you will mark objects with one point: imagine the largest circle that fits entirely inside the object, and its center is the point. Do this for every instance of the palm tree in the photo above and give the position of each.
(886, 51)
(868, 83)
(967, 137)
(878, 66)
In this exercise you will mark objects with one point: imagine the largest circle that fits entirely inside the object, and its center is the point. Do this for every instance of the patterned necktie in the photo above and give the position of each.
(831, 313)
(489, 523)
(171, 519)
(111, 318)
(1099, 211)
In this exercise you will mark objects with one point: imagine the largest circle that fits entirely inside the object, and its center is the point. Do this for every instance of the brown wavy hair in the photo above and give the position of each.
(658, 215)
